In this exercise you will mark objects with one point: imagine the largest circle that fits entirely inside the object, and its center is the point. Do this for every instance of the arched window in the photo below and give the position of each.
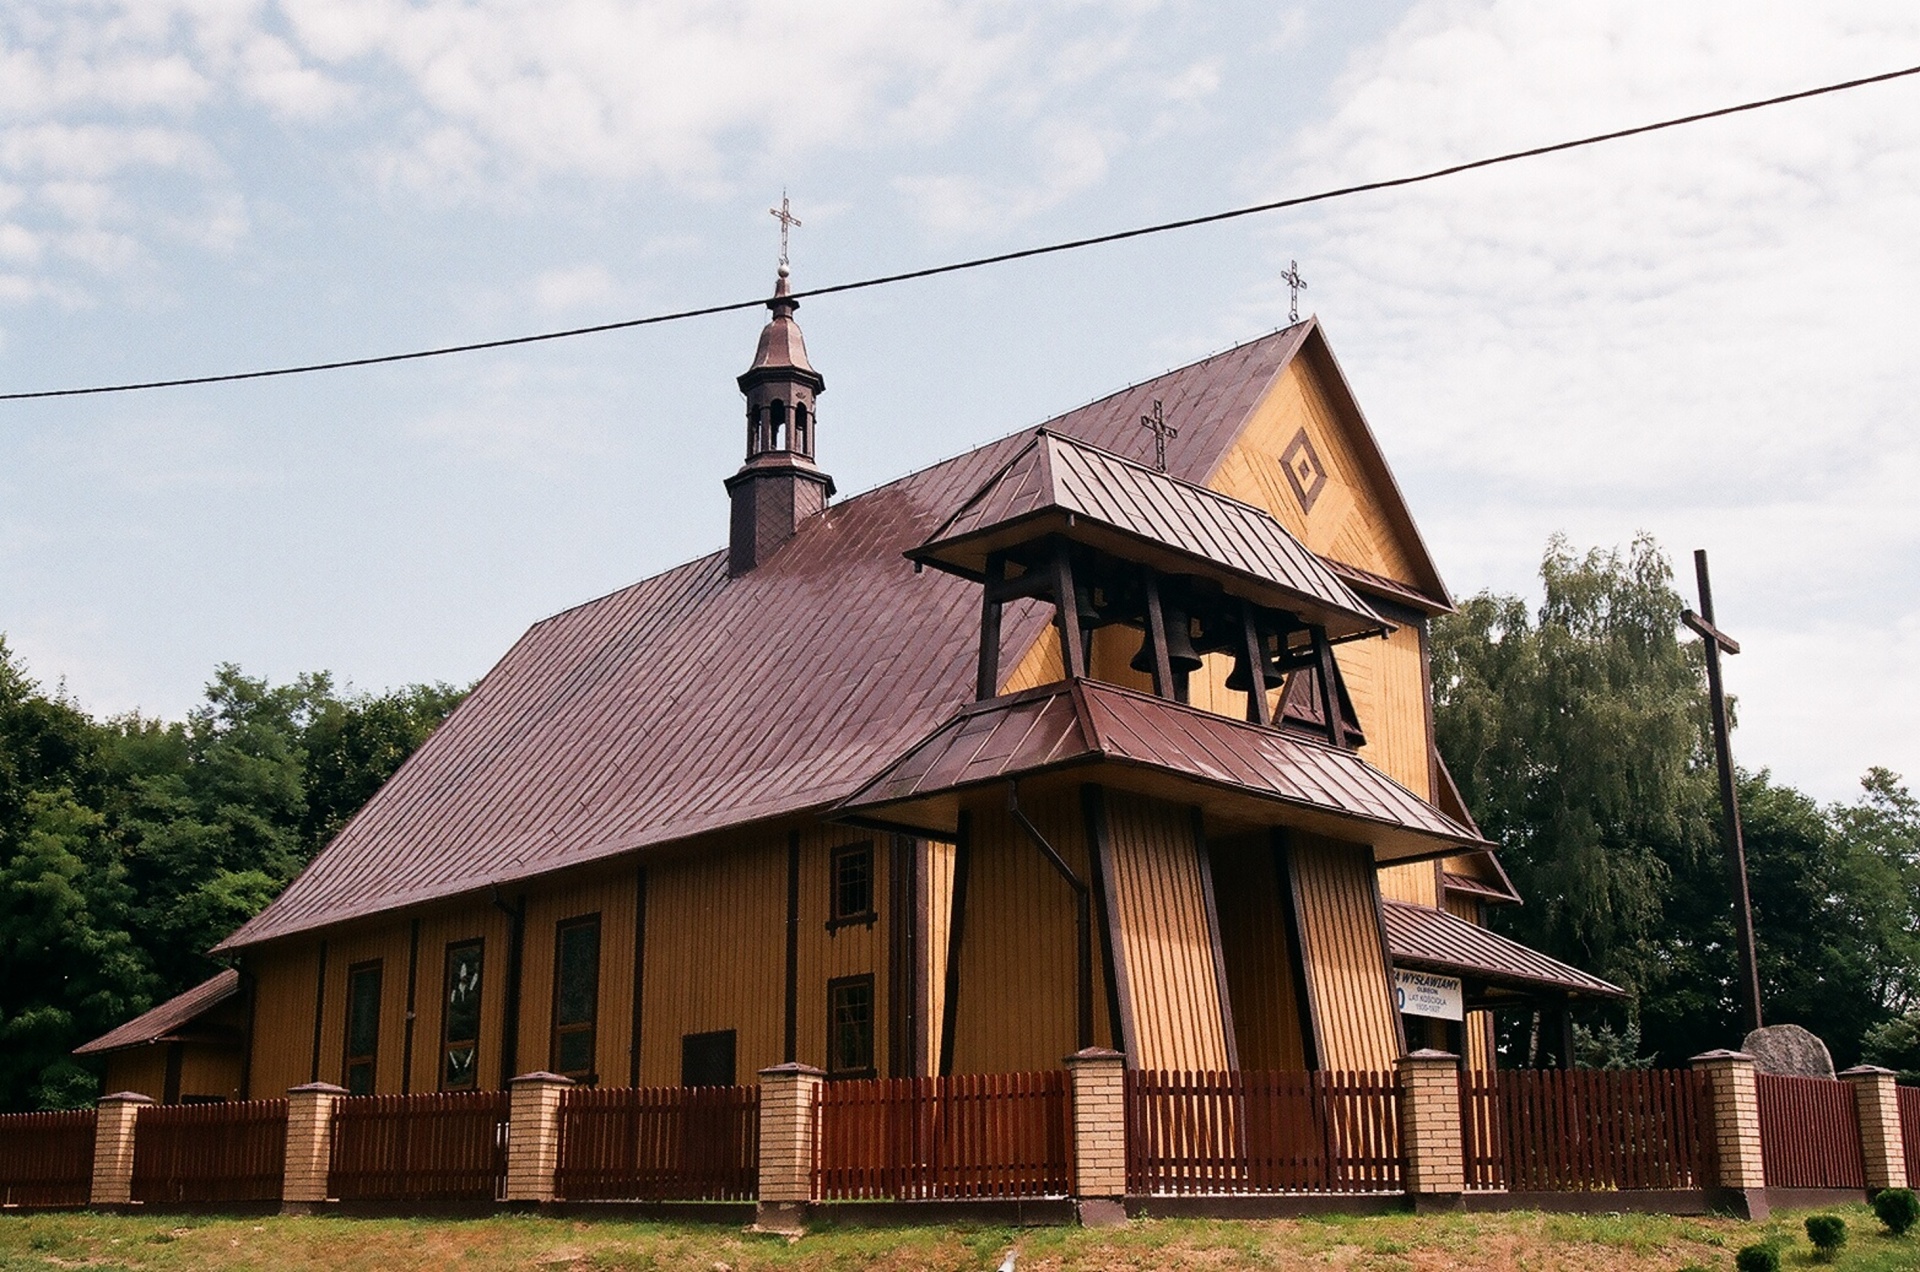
(777, 432)
(754, 425)
(800, 428)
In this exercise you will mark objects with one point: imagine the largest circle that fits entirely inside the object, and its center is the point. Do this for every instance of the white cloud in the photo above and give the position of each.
(563, 289)
(1637, 335)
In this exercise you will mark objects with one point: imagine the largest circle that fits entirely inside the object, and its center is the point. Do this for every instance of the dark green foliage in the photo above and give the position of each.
(1827, 1233)
(1898, 1209)
(1762, 1256)
(129, 846)
(1579, 736)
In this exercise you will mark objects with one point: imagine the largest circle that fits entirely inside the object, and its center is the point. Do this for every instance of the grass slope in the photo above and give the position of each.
(1523, 1242)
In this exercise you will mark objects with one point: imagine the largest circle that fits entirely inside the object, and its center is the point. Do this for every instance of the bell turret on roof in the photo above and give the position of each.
(778, 487)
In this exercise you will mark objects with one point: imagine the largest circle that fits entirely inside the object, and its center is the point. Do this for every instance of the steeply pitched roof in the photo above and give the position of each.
(692, 702)
(1057, 484)
(1086, 722)
(1419, 936)
(166, 1020)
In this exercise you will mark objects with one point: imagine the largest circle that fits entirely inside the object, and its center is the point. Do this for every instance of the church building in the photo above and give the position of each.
(1115, 732)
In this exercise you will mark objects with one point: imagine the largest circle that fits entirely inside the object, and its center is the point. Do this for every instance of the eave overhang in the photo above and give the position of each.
(1432, 940)
(1242, 776)
(179, 1019)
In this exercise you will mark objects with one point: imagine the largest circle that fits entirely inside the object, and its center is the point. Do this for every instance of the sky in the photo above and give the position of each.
(1706, 335)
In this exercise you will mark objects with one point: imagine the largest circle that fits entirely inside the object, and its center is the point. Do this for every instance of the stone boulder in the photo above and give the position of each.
(1790, 1051)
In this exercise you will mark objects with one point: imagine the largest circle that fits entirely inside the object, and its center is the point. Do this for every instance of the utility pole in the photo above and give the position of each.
(1717, 642)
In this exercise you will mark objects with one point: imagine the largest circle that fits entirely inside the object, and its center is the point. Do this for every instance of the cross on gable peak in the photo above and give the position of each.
(784, 215)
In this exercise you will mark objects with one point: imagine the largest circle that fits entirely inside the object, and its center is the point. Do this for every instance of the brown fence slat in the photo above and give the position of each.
(434, 1146)
(46, 1159)
(1530, 1130)
(970, 1135)
(659, 1144)
(1910, 1130)
(210, 1152)
(1810, 1133)
(1262, 1132)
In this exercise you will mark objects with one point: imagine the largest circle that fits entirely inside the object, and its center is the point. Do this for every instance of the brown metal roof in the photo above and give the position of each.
(1058, 485)
(693, 702)
(1419, 936)
(164, 1022)
(1390, 589)
(1084, 723)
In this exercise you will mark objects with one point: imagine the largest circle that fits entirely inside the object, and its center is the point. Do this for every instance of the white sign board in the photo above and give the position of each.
(1424, 994)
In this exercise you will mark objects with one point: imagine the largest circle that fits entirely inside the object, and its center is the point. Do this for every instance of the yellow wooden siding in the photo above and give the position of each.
(1346, 966)
(1039, 664)
(1387, 680)
(1348, 521)
(142, 1070)
(936, 886)
(716, 956)
(1165, 934)
(283, 979)
(610, 896)
(1414, 883)
(1017, 1005)
(211, 1071)
(472, 920)
(1478, 1032)
(853, 950)
(1261, 979)
(386, 943)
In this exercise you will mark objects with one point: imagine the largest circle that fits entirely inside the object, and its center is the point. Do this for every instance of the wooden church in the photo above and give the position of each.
(1095, 735)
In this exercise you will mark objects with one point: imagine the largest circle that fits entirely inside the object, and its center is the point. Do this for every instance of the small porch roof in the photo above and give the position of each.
(1056, 485)
(1242, 775)
(169, 1021)
(1432, 940)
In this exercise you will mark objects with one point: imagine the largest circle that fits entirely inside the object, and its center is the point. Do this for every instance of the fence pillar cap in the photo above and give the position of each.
(317, 1088)
(1092, 1055)
(1429, 1055)
(1867, 1071)
(126, 1097)
(793, 1068)
(541, 1076)
(1722, 1056)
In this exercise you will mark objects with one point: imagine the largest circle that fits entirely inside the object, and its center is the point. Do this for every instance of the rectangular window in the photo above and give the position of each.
(850, 1027)
(576, 996)
(363, 1026)
(460, 1021)
(852, 884)
(706, 1059)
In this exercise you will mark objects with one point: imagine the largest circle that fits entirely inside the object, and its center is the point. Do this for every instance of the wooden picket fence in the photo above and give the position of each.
(1581, 1130)
(659, 1144)
(435, 1146)
(46, 1159)
(1256, 1132)
(1910, 1131)
(972, 1135)
(210, 1152)
(1810, 1133)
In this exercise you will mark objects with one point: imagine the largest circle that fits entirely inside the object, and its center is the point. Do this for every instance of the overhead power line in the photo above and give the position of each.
(978, 262)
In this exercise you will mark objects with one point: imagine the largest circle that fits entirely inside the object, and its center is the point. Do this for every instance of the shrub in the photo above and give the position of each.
(1897, 1208)
(1760, 1257)
(1828, 1233)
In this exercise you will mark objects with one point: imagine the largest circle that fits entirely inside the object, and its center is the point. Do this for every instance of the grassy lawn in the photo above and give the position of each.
(1400, 1243)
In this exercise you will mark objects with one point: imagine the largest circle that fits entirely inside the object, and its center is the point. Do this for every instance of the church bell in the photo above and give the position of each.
(1182, 657)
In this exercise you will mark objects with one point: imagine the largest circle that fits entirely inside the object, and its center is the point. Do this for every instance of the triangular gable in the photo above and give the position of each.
(1307, 455)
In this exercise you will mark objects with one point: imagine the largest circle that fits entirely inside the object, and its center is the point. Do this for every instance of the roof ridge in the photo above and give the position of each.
(1159, 474)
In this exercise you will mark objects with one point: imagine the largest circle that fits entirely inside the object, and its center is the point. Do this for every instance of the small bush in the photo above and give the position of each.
(1897, 1208)
(1760, 1257)
(1828, 1233)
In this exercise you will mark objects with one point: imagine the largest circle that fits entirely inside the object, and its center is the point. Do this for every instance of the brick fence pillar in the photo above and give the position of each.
(1436, 1170)
(788, 1096)
(1099, 1079)
(309, 1146)
(1881, 1141)
(1733, 1096)
(533, 1135)
(113, 1148)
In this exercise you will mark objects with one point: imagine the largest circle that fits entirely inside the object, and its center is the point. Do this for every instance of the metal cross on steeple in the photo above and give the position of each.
(1718, 642)
(1295, 285)
(1161, 432)
(787, 219)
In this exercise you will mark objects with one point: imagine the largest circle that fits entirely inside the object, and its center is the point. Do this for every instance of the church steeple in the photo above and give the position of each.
(778, 487)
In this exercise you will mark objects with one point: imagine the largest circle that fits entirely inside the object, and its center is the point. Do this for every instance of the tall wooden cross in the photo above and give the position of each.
(784, 215)
(1295, 285)
(1718, 642)
(1161, 432)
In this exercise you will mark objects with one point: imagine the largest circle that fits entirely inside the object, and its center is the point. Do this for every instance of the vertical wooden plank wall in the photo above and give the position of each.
(283, 977)
(716, 956)
(142, 1069)
(471, 920)
(1346, 967)
(1017, 960)
(936, 885)
(1253, 906)
(611, 896)
(1478, 1027)
(387, 942)
(856, 950)
(1165, 934)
